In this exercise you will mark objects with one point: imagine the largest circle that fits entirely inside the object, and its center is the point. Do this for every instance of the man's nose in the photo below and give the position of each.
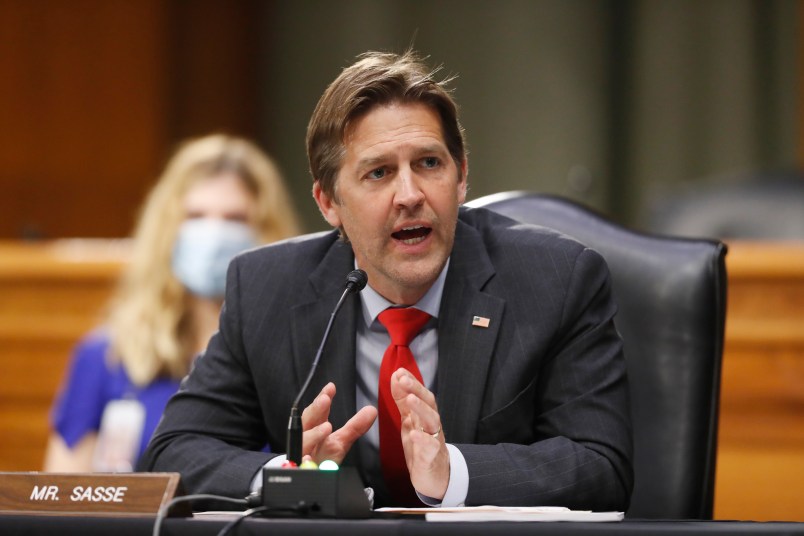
(408, 193)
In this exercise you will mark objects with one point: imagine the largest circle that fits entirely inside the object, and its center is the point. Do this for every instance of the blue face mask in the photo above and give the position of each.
(203, 249)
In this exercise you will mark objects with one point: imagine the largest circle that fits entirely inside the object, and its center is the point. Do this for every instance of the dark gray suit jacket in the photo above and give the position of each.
(537, 402)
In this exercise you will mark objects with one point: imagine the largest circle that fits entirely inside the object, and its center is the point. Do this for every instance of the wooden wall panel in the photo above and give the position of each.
(760, 466)
(215, 75)
(51, 294)
(95, 94)
(84, 130)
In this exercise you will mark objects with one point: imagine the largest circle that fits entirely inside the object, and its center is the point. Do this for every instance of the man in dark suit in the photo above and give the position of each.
(517, 395)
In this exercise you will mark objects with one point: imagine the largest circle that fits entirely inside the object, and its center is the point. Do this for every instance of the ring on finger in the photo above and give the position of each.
(434, 435)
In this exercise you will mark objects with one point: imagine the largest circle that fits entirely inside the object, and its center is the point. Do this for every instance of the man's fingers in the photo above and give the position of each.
(415, 402)
(427, 459)
(355, 427)
(318, 411)
(404, 383)
(313, 438)
(423, 439)
(422, 417)
(319, 441)
(337, 444)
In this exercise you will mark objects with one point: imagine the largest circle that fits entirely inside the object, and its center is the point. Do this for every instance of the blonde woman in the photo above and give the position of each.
(218, 195)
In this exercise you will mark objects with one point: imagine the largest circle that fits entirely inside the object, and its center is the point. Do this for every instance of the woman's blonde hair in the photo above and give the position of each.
(149, 319)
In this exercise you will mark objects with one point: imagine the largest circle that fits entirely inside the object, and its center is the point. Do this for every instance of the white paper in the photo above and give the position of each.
(513, 513)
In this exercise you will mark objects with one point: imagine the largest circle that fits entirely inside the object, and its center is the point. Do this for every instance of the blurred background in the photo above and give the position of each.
(675, 116)
(625, 105)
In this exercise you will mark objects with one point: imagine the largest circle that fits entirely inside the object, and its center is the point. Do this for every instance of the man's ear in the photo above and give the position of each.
(329, 209)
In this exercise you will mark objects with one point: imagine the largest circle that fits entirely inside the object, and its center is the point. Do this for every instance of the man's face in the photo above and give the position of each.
(398, 193)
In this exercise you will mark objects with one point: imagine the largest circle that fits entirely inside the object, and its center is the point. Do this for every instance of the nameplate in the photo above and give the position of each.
(96, 494)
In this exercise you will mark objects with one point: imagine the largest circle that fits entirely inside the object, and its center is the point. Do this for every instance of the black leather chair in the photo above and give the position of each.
(671, 294)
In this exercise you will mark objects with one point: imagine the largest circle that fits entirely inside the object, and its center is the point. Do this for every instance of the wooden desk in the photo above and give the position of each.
(760, 465)
(407, 526)
(50, 295)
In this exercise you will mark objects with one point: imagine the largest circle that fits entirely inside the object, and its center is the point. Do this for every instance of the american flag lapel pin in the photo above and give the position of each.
(480, 321)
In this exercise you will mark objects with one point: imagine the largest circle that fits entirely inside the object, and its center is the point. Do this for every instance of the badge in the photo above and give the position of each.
(119, 437)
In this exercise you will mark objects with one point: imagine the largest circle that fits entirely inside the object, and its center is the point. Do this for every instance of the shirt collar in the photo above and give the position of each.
(373, 303)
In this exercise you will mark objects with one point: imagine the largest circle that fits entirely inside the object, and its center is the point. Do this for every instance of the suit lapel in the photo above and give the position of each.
(308, 322)
(464, 349)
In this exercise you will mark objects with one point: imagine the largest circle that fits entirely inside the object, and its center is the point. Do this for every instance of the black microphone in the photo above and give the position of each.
(355, 282)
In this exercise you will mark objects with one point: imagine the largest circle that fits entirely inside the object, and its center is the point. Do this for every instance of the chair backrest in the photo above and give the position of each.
(671, 294)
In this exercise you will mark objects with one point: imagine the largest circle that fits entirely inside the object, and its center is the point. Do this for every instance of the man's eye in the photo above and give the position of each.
(377, 173)
(430, 162)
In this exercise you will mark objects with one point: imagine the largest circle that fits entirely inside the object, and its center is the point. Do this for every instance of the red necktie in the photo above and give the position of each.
(403, 324)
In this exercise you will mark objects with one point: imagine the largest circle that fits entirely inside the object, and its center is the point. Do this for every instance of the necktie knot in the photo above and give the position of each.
(403, 323)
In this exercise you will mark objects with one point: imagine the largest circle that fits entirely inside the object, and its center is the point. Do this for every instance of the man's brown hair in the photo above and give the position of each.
(376, 79)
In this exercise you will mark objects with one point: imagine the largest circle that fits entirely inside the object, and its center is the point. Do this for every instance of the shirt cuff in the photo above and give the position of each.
(458, 485)
(276, 461)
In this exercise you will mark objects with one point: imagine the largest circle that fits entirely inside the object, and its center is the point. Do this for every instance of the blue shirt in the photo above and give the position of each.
(92, 382)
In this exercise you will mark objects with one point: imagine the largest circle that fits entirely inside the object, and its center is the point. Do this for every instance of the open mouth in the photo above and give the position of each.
(411, 235)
